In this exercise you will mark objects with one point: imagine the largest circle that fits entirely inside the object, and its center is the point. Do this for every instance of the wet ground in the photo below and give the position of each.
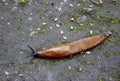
(45, 23)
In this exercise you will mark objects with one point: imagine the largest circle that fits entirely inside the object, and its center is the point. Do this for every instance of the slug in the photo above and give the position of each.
(68, 49)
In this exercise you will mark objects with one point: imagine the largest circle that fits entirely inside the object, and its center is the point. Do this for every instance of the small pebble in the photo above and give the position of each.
(44, 23)
(81, 24)
(101, 1)
(51, 27)
(8, 23)
(98, 57)
(58, 8)
(2, 17)
(91, 32)
(62, 32)
(20, 75)
(64, 37)
(72, 19)
(78, 5)
(29, 18)
(91, 6)
(70, 67)
(88, 9)
(71, 5)
(55, 19)
(88, 52)
(21, 52)
(14, 8)
(33, 32)
(80, 69)
(61, 3)
(57, 25)
(91, 24)
(7, 73)
(38, 29)
(71, 27)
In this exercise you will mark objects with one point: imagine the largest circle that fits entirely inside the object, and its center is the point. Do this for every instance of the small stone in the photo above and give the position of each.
(81, 24)
(7, 73)
(58, 8)
(29, 18)
(88, 52)
(71, 27)
(33, 32)
(70, 67)
(91, 6)
(91, 24)
(20, 75)
(80, 69)
(55, 19)
(61, 3)
(91, 32)
(38, 29)
(62, 32)
(44, 23)
(72, 19)
(21, 52)
(78, 5)
(57, 25)
(64, 37)
(71, 5)
(88, 9)
(101, 1)
(2, 17)
(8, 23)
(14, 8)
(98, 57)
(51, 27)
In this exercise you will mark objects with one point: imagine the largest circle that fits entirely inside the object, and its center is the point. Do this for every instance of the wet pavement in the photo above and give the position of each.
(45, 23)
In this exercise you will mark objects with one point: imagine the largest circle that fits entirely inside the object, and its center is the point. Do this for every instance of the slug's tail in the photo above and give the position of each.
(33, 52)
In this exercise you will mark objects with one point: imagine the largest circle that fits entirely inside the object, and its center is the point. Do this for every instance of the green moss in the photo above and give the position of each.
(65, 20)
(100, 78)
(112, 67)
(102, 70)
(106, 54)
(72, 74)
(116, 76)
(41, 13)
(116, 53)
(114, 41)
(43, 2)
(64, 41)
(36, 24)
(74, 28)
(112, 19)
(91, 61)
(43, 30)
(83, 62)
(22, 1)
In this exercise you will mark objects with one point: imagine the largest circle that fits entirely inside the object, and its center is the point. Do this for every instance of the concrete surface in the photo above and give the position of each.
(45, 23)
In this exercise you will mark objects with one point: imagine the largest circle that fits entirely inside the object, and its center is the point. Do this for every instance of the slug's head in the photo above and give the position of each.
(35, 54)
(108, 33)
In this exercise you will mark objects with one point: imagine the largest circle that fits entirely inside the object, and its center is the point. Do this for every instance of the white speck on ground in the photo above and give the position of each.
(64, 37)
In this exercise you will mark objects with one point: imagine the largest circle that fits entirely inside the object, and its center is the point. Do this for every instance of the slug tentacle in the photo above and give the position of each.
(33, 52)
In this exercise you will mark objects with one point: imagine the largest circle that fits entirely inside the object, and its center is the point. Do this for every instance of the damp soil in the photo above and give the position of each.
(45, 23)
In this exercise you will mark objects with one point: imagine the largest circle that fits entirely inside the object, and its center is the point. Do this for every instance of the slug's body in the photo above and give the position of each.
(72, 48)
